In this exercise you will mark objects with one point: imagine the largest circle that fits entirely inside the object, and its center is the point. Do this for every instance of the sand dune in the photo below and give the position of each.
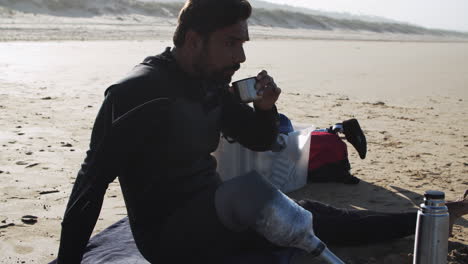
(262, 17)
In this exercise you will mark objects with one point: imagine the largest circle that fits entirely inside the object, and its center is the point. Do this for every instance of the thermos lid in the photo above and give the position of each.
(434, 195)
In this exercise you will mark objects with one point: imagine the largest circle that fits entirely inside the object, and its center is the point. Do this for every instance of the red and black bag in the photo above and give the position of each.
(328, 157)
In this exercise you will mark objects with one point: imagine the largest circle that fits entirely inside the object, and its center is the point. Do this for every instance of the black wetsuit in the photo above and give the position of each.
(161, 153)
(155, 132)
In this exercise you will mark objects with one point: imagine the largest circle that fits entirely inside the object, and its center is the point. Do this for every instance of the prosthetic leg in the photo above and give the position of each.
(249, 201)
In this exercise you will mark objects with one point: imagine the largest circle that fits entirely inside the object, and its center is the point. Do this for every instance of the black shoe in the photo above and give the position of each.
(350, 179)
(355, 136)
(333, 172)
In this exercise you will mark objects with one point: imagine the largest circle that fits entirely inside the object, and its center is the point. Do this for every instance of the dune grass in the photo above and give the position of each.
(260, 16)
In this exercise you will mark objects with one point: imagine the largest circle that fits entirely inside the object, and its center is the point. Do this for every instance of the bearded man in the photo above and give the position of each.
(156, 131)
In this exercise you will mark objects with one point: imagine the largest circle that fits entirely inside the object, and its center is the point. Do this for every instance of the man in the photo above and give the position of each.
(163, 157)
(156, 130)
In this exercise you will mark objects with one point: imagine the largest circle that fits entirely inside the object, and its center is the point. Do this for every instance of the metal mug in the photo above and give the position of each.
(245, 89)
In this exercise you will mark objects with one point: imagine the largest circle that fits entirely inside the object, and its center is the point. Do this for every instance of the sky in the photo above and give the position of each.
(442, 14)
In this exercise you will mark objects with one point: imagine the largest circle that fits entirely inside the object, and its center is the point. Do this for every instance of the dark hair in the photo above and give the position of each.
(207, 16)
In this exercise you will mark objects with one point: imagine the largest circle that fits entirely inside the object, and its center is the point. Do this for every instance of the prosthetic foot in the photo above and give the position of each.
(457, 209)
(249, 201)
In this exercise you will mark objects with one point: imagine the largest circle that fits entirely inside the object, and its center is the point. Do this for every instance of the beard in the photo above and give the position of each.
(224, 75)
(205, 69)
(219, 76)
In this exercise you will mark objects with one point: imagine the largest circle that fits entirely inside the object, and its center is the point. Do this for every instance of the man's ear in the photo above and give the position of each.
(193, 39)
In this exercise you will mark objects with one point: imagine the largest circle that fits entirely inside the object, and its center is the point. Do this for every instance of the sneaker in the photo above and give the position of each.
(355, 136)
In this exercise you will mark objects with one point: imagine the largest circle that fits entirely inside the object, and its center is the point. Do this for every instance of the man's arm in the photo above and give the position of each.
(86, 199)
(255, 128)
(119, 135)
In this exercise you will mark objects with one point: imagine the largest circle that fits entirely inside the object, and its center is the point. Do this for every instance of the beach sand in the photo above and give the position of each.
(411, 99)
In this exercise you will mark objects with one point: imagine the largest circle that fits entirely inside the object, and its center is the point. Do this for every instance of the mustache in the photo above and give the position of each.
(234, 67)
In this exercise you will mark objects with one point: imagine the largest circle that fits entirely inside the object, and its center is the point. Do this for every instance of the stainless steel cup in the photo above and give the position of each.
(245, 89)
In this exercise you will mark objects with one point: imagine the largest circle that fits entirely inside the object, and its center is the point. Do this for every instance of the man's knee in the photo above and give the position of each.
(249, 201)
(239, 200)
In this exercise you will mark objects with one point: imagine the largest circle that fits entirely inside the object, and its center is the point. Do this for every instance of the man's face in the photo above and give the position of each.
(222, 53)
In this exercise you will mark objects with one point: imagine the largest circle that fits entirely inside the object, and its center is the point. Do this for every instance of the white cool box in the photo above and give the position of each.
(287, 169)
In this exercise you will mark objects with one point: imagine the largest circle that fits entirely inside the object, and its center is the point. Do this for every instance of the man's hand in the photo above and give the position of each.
(267, 89)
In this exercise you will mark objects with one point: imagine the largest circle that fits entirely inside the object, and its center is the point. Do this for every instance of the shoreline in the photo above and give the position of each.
(317, 36)
(30, 27)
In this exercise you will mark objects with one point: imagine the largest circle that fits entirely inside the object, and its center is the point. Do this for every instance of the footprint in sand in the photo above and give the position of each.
(32, 165)
(66, 144)
(23, 250)
(29, 219)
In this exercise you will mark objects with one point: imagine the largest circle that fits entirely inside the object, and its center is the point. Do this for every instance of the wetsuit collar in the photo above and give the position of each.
(194, 88)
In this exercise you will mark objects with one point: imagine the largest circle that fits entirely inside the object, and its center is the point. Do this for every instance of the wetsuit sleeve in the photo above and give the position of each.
(252, 128)
(87, 195)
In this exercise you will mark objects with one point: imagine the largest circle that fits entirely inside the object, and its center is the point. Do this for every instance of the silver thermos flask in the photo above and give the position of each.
(432, 230)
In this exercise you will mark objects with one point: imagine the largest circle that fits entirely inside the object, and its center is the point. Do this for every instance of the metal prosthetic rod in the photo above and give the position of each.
(329, 257)
(251, 201)
(287, 224)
